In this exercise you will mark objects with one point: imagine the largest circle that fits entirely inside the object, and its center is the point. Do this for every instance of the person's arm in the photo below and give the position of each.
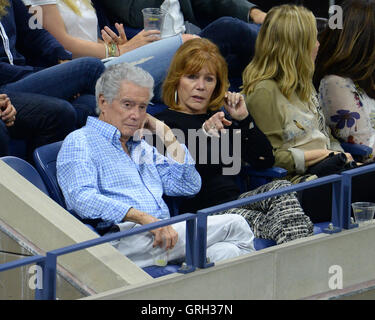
(256, 15)
(54, 24)
(346, 112)
(255, 147)
(165, 237)
(266, 113)
(241, 9)
(177, 168)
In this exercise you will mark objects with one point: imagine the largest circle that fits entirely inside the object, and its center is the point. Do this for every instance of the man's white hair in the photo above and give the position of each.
(111, 79)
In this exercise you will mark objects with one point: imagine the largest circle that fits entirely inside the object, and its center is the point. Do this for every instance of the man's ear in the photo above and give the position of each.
(102, 103)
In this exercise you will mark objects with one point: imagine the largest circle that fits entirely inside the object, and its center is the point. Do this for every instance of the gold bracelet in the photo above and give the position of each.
(106, 50)
(112, 50)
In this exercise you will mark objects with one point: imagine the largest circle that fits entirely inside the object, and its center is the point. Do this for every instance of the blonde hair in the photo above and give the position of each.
(283, 52)
(190, 58)
(3, 5)
(73, 5)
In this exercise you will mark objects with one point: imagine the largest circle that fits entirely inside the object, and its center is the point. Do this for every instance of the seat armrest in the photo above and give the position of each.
(356, 149)
(274, 172)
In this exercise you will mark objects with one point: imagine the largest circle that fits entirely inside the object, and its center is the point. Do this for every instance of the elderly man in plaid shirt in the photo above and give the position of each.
(106, 173)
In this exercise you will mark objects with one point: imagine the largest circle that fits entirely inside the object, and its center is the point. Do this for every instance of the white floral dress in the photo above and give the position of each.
(349, 111)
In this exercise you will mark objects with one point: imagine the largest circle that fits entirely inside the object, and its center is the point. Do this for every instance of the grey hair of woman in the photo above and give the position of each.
(111, 79)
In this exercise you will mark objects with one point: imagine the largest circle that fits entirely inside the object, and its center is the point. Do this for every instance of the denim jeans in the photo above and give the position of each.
(155, 58)
(64, 81)
(39, 120)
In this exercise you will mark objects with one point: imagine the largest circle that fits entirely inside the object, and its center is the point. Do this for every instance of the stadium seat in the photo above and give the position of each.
(45, 162)
(249, 178)
(358, 151)
(26, 170)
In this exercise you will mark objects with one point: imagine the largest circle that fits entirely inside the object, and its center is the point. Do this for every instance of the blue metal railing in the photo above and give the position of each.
(196, 224)
(347, 192)
(337, 207)
(48, 263)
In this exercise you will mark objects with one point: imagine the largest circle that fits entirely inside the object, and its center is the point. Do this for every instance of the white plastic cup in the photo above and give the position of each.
(153, 18)
(363, 212)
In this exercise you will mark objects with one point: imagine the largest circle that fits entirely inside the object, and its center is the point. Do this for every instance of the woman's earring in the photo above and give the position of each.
(175, 96)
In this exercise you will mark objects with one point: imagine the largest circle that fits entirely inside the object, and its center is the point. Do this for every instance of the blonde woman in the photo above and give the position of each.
(282, 100)
(280, 93)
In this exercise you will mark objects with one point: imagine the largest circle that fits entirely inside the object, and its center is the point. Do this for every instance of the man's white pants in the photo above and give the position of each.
(228, 236)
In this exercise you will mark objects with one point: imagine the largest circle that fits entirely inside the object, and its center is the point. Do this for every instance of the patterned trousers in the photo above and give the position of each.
(279, 218)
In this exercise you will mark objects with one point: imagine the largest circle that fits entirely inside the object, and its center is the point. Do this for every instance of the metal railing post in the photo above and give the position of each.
(190, 254)
(337, 208)
(48, 289)
(201, 244)
(347, 199)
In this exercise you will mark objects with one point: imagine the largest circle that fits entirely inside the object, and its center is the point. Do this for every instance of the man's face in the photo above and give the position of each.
(128, 110)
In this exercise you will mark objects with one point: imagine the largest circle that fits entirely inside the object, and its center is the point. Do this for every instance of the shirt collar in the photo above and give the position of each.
(109, 132)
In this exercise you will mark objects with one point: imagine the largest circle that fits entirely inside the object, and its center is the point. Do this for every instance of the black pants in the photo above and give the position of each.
(317, 202)
(39, 120)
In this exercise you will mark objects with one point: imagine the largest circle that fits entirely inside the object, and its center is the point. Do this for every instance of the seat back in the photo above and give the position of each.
(45, 162)
(26, 170)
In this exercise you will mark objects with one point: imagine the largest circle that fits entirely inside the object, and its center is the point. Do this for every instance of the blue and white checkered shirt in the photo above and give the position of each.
(99, 180)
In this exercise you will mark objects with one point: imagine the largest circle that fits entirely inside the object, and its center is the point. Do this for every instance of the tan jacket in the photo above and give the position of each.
(292, 126)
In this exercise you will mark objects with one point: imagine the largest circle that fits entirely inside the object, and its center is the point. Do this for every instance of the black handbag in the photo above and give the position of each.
(333, 163)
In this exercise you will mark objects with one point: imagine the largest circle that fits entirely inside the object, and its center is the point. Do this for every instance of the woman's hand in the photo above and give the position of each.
(216, 123)
(8, 111)
(235, 105)
(109, 36)
(140, 39)
(125, 45)
(314, 156)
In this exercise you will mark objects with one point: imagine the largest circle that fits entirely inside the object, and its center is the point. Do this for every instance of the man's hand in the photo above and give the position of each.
(7, 110)
(165, 237)
(166, 135)
(257, 15)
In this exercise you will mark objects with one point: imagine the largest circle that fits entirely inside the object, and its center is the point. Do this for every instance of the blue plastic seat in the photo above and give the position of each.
(26, 170)
(260, 244)
(156, 271)
(45, 163)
